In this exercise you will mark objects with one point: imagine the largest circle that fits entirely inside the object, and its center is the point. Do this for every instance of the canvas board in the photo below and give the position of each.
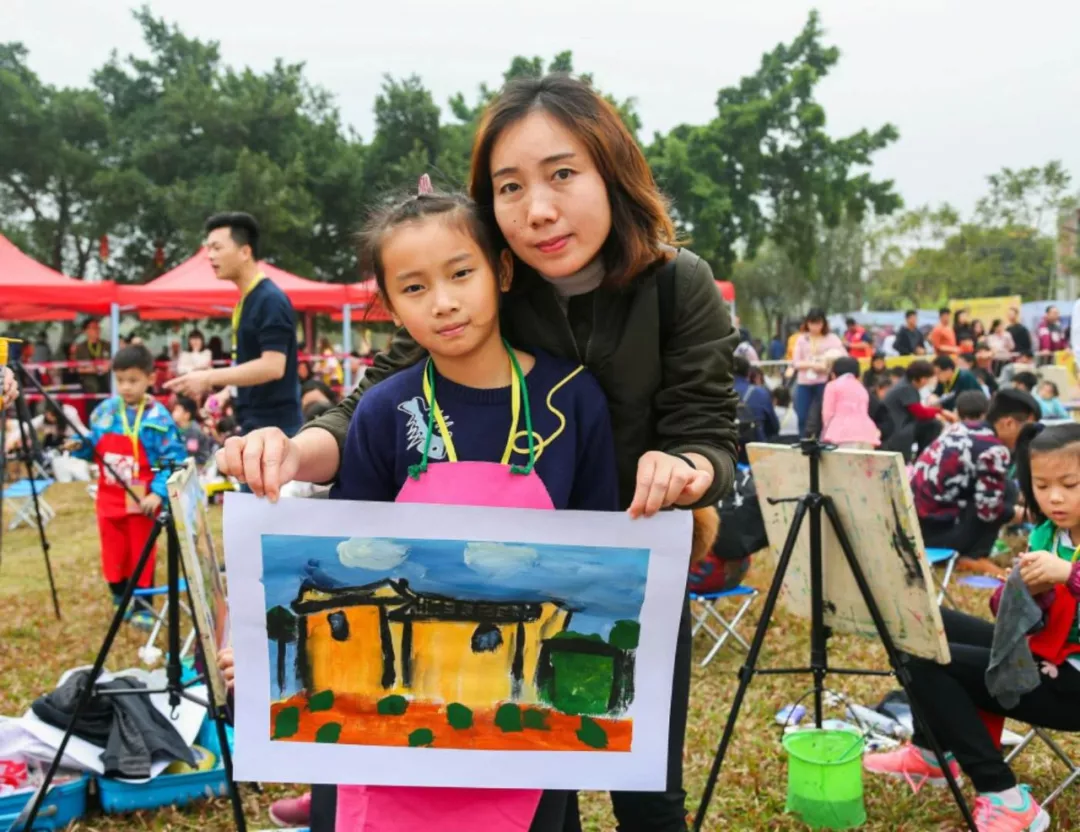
(873, 498)
(426, 645)
(203, 569)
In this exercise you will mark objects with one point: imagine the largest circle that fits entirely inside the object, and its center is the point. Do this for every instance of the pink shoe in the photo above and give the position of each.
(291, 811)
(912, 764)
(992, 815)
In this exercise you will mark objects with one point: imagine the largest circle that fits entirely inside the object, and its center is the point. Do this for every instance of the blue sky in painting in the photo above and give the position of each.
(601, 584)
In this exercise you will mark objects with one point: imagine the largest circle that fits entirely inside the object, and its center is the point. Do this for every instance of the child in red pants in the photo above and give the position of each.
(130, 435)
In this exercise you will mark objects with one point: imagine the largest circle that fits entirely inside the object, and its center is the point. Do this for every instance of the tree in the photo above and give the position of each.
(54, 145)
(281, 626)
(771, 284)
(765, 168)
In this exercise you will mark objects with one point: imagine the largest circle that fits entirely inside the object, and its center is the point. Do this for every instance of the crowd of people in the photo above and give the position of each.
(555, 287)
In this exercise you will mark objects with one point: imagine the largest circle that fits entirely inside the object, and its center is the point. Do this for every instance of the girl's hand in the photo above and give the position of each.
(227, 667)
(1043, 570)
(664, 480)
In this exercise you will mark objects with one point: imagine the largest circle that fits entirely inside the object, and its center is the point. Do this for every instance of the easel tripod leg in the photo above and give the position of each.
(29, 815)
(897, 661)
(746, 673)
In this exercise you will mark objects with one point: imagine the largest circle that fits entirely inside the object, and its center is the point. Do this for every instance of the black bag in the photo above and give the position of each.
(742, 526)
(745, 420)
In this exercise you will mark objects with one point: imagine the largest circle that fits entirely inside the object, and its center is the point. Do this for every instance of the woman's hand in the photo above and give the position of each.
(227, 667)
(1043, 570)
(664, 480)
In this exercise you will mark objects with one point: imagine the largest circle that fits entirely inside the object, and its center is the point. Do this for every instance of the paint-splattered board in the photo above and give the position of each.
(873, 498)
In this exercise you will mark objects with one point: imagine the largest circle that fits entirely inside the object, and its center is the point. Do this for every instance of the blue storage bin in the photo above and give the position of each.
(64, 804)
(170, 789)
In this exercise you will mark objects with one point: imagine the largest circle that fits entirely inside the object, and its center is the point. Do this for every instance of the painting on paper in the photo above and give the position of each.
(202, 569)
(449, 643)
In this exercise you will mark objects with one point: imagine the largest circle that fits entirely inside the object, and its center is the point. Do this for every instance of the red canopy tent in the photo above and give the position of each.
(727, 290)
(192, 290)
(31, 291)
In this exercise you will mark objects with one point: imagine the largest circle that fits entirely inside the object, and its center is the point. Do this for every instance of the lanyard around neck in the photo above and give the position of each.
(93, 350)
(132, 432)
(519, 394)
(238, 310)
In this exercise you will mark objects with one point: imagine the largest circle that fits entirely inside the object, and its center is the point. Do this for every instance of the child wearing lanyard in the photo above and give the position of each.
(132, 433)
(475, 422)
(957, 704)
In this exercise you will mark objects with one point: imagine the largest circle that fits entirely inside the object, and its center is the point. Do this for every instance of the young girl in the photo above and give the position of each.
(477, 423)
(1051, 405)
(845, 410)
(785, 413)
(811, 365)
(964, 716)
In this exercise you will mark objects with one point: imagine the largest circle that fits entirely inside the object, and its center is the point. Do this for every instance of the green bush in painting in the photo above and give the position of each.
(393, 705)
(592, 734)
(535, 720)
(421, 737)
(287, 723)
(330, 732)
(459, 716)
(581, 682)
(508, 717)
(323, 701)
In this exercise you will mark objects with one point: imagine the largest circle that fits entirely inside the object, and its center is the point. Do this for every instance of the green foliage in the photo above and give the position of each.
(508, 717)
(393, 705)
(322, 701)
(330, 732)
(421, 737)
(536, 720)
(280, 624)
(581, 683)
(459, 716)
(625, 635)
(287, 723)
(591, 734)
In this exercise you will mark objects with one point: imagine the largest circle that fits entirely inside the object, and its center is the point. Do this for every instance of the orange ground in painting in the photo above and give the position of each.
(361, 724)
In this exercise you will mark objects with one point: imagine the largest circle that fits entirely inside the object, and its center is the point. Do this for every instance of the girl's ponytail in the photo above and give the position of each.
(1022, 455)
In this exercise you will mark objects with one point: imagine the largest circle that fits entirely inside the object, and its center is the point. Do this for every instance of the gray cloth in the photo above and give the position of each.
(1013, 671)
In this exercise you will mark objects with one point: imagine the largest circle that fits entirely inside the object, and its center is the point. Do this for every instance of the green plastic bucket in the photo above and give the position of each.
(825, 787)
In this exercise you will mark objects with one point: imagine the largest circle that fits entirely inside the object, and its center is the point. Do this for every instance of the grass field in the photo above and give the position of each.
(35, 649)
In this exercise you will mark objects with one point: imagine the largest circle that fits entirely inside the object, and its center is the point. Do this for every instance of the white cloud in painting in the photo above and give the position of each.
(374, 554)
(497, 559)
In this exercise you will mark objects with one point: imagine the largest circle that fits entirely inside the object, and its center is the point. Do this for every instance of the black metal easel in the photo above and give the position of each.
(27, 454)
(174, 687)
(813, 503)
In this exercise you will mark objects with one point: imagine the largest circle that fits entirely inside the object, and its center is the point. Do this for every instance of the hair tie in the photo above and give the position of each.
(424, 187)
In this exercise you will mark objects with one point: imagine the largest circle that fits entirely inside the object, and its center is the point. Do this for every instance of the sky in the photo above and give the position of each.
(972, 86)
(603, 585)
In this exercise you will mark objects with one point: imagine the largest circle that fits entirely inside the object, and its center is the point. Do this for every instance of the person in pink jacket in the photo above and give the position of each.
(845, 410)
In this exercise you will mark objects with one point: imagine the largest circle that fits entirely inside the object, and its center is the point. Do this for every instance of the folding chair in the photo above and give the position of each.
(947, 557)
(1051, 743)
(705, 611)
(143, 599)
(21, 499)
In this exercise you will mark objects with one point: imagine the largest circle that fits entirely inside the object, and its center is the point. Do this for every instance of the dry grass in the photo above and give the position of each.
(35, 649)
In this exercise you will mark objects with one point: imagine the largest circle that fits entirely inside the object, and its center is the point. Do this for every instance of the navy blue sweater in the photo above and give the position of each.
(576, 461)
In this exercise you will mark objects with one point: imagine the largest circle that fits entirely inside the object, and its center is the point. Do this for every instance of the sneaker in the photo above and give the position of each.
(912, 764)
(141, 620)
(291, 811)
(992, 815)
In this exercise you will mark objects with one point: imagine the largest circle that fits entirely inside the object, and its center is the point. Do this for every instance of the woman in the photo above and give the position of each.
(329, 367)
(1000, 341)
(596, 280)
(962, 326)
(811, 364)
(876, 369)
(978, 331)
(196, 357)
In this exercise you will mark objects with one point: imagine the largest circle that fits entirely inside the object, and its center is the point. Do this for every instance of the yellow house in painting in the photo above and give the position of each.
(383, 638)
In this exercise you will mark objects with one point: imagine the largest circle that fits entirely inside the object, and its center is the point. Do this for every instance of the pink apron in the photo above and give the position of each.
(499, 485)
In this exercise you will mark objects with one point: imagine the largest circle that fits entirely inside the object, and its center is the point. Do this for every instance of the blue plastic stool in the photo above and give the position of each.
(947, 557)
(705, 611)
(143, 599)
(21, 498)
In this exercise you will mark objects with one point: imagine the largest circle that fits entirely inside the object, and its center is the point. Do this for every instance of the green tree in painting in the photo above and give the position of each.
(281, 627)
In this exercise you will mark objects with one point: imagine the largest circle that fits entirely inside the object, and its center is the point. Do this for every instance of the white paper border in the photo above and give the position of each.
(643, 768)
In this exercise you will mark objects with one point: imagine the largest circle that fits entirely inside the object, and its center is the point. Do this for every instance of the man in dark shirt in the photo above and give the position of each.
(952, 381)
(909, 338)
(264, 334)
(1021, 336)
